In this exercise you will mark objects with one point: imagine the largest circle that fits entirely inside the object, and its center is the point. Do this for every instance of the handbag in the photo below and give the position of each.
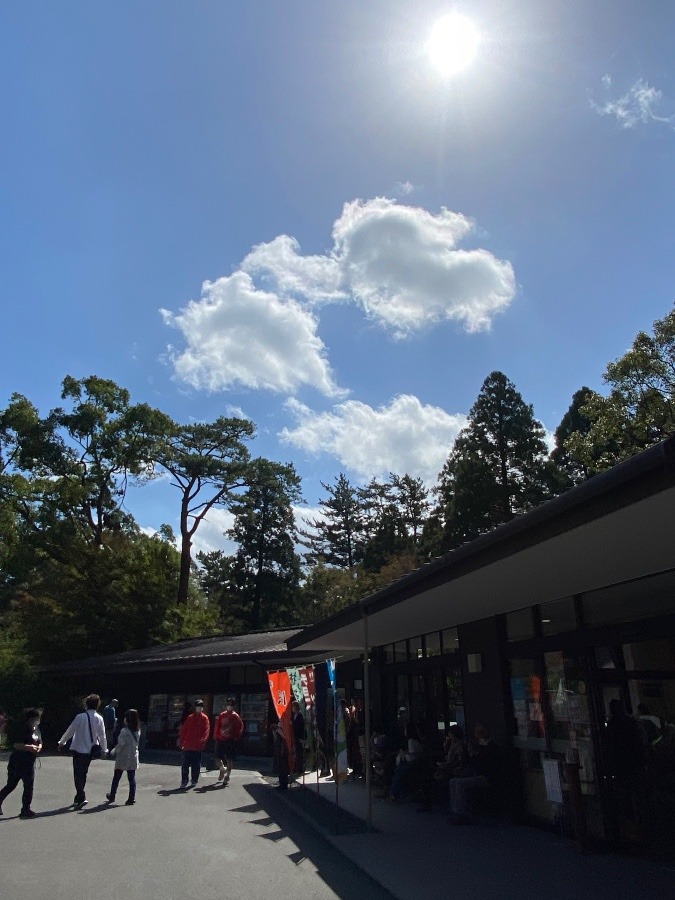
(96, 751)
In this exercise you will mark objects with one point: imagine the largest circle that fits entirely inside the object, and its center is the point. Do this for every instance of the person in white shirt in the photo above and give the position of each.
(88, 742)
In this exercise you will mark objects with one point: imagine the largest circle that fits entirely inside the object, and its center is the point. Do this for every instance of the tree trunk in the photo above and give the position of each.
(185, 565)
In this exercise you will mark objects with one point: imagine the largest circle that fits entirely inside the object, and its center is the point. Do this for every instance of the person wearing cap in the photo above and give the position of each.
(192, 738)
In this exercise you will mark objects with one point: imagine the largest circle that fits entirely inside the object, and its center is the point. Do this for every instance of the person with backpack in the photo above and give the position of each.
(125, 754)
(87, 732)
(27, 743)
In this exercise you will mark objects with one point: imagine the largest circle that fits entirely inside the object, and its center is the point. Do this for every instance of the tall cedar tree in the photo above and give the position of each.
(498, 467)
(572, 470)
(265, 571)
(337, 538)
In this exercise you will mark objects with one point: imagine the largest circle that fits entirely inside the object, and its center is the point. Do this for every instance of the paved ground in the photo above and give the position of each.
(422, 857)
(250, 841)
(240, 842)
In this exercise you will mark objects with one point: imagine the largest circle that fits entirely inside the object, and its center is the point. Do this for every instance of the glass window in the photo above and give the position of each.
(415, 648)
(400, 654)
(605, 658)
(519, 625)
(657, 656)
(526, 691)
(558, 616)
(388, 653)
(654, 596)
(450, 640)
(432, 643)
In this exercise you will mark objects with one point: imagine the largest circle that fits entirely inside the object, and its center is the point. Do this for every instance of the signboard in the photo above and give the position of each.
(552, 781)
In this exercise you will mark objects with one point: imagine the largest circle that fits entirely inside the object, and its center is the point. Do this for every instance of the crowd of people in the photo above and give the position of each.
(92, 735)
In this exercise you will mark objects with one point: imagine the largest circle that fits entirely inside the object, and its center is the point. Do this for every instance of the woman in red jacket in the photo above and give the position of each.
(192, 738)
(228, 731)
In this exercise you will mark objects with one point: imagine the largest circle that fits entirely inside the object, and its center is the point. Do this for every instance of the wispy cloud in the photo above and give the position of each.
(638, 106)
(404, 436)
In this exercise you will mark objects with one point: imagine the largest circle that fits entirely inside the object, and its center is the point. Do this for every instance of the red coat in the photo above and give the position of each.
(194, 732)
(229, 726)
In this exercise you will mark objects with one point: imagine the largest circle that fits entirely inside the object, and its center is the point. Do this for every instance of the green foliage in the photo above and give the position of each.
(264, 574)
(207, 463)
(498, 467)
(337, 538)
(640, 408)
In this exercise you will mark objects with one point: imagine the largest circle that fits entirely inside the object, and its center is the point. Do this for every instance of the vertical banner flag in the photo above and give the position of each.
(282, 695)
(308, 686)
(340, 771)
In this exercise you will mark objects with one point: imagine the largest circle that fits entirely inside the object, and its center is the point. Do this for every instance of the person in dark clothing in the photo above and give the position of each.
(624, 756)
(481, 773)
(455, 760)
(26, 742)
(299, 734)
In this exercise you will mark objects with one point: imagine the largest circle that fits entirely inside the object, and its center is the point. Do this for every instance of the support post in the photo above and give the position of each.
(366, 704)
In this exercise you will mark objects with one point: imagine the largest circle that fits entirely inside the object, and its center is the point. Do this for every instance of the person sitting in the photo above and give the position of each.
(481, 773)
(407, 761)
(455, 760)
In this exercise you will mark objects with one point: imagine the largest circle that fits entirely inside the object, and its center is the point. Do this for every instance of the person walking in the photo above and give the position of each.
(125, 754)
(109, 714)
(88, 742)
(228, 731)
(21, 766)
(192, 738)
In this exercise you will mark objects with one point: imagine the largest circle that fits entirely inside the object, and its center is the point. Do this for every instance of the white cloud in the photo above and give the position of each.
(403, 437)
(637, 106)
(237, 334)
(281, 263)
(210, 535)
(402, 265)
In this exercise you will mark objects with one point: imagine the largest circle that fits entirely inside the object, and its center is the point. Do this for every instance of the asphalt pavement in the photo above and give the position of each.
(238, 842)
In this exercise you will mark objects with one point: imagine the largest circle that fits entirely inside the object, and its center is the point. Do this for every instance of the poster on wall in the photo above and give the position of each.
(253, 711)
(157, 712)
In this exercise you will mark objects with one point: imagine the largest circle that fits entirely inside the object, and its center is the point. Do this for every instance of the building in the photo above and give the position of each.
(533, 629)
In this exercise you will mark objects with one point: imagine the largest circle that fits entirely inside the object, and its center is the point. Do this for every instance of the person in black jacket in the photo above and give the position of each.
(27, 743)
(481, 773)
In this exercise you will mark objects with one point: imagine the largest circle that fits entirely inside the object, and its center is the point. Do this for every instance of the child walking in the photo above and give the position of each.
(125, 754)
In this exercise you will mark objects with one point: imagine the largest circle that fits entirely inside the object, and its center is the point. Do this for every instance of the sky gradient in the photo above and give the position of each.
(283, 211)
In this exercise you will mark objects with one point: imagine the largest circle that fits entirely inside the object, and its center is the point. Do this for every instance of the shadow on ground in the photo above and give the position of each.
(280, 820)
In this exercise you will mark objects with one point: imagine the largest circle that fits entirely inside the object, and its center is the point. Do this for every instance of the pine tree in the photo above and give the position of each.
(337, 538)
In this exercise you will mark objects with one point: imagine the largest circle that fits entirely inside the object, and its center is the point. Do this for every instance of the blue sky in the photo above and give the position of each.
(284, 210)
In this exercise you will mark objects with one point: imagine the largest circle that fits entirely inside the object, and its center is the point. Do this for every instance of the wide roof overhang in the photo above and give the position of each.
(616, 527)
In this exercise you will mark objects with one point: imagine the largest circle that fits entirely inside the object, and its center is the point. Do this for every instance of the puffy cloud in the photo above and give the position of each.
(403, 265)
(637, 106)
(403, 437)
(279, 261)
(237, 334)
(400, 263)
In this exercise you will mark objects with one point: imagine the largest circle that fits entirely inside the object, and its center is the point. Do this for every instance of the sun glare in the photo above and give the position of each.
(452, 44)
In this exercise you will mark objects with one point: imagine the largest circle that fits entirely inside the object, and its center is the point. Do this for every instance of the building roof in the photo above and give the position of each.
(221, 650)
(615, 527)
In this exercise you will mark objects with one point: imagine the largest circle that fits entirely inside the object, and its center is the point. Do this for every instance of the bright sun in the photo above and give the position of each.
(452, 44)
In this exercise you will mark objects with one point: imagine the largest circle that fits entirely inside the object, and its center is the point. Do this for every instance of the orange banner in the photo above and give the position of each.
(282, 696)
